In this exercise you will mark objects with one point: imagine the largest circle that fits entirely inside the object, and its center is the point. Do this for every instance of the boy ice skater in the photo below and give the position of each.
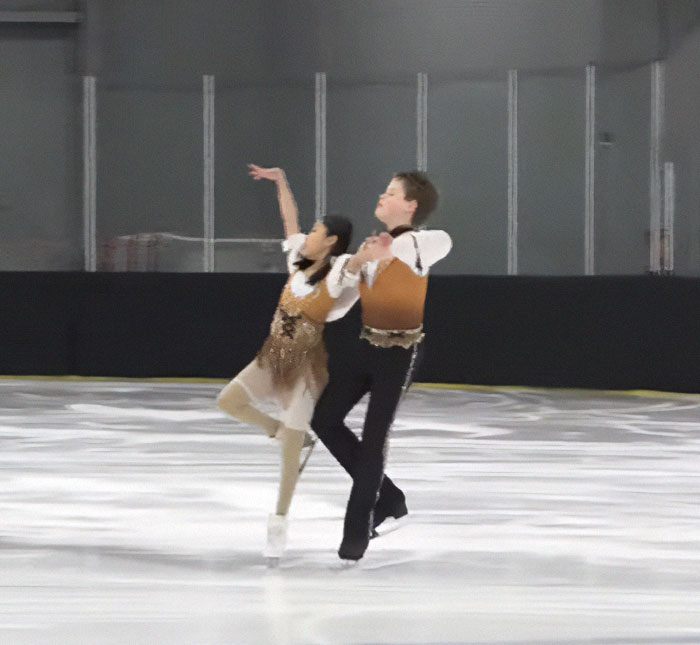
(392, 272)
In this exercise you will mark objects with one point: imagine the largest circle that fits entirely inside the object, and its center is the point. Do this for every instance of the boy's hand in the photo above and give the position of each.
(376, 247)
(384, 239)
(273, 174)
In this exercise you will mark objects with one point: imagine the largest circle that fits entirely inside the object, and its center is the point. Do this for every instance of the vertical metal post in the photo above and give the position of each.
(90, 172)
(422, 123)
(321, 164)
(589, 206)
(208, 101)
(512, 172)
(669, 216)
(656, 137)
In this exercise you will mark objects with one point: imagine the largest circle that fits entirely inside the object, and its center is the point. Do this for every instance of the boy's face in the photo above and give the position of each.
(393, 204)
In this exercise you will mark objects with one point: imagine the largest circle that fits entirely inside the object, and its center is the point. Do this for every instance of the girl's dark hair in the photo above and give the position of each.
(335, 225)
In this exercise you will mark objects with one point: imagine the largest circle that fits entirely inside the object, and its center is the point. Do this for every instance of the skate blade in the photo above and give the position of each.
(345, 565)
(389, 525)
(309, 450)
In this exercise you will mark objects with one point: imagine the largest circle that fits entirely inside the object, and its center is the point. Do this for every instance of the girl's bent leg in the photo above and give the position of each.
(234, 400)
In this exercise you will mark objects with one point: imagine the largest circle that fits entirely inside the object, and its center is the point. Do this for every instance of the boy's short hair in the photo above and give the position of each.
(417, 186)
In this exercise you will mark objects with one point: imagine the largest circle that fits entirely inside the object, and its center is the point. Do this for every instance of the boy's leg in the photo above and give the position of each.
(391, 367)
(389, 505)
(340, 395)
(345, 388)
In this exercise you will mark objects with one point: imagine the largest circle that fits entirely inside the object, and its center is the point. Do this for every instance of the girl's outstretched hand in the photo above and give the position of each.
(257, 173)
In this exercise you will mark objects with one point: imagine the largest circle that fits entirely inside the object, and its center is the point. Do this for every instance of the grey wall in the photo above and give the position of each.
(468, 120)
(163, 42)
(552, 172)
(149, 57)
(683, 149)
(40, 220)
(38, 5)
(622, 211)
(149, 66)
(448, 37)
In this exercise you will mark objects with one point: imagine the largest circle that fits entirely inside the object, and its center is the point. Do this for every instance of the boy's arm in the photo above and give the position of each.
(421, 249)
(288, 207)
(373, 248)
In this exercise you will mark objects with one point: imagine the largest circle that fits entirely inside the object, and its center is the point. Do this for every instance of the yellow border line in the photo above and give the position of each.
(104, 379)
(650, 394)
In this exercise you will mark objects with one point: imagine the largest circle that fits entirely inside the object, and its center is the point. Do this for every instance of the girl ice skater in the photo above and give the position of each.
(290, 368)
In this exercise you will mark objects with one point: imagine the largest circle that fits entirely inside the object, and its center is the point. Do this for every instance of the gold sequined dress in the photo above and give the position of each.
(294, 348)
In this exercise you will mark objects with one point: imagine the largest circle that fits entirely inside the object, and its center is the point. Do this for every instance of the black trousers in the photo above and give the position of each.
(384, 373)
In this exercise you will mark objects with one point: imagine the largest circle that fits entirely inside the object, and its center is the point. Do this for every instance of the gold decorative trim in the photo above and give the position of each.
(405, 338)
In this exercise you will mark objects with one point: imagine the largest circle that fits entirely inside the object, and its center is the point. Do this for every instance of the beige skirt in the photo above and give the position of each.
(295, 403)
(291, 368)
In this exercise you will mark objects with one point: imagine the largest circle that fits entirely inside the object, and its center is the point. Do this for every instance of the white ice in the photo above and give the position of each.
(135, 513)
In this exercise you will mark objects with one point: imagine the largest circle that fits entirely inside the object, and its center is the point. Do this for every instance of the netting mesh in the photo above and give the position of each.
(174, 253)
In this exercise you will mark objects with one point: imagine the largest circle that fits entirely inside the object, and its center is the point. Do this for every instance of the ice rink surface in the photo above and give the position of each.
(135, 513)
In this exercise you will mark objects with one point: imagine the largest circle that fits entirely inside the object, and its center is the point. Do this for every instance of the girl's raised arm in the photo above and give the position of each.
(288, 207)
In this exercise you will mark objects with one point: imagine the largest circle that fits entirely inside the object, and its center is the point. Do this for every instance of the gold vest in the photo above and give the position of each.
(396, 298)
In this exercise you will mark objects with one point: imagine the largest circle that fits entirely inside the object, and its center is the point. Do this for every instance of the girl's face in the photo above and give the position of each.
(318, 243)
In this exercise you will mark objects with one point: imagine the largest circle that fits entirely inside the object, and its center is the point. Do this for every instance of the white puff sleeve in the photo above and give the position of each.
(343, 286)
(292, 247)
(421, 249)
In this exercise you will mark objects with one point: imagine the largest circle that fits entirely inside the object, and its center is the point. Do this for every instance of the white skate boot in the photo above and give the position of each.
(276, 538)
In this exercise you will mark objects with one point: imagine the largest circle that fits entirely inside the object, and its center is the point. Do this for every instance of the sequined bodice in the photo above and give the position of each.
(295, 330)
(315, 305)
(295, 343)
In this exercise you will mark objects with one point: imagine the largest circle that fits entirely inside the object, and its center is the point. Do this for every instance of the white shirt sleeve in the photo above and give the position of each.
(292, 247)
(421, 249)
(343, 286)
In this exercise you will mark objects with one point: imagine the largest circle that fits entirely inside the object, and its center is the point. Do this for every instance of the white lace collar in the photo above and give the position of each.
(299, 286)
(373, 268)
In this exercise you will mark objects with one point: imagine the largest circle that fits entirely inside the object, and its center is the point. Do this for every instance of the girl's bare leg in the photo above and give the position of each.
(291, 442)
(234, 400)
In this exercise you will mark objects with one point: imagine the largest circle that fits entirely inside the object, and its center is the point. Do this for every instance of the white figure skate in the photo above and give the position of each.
(276, 539)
